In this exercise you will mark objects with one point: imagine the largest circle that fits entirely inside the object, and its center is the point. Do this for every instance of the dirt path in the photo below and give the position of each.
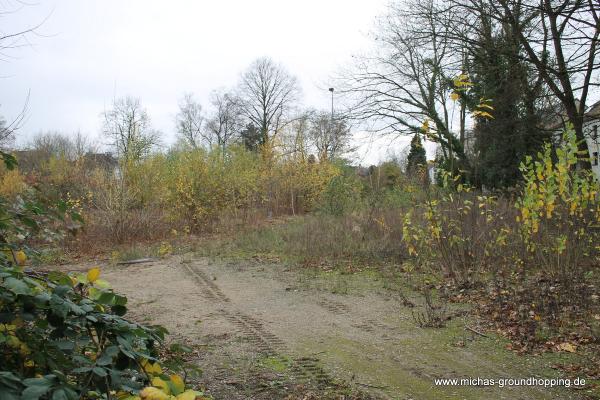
(267, 331)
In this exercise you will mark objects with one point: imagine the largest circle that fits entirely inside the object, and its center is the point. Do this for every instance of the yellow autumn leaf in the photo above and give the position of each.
(10, 328)
(24, 349)
(153, 368)
(178, 384)
(462, 81)
(454, 96)
(549, 209)
(159, 383)
(425, 126)
(20, 257)
(567, 347)
(157, 370)
(540, 176)
(93, 275)
(148, 367)
(187, 395)
(123, 395)
(483, 114)
(152, 393)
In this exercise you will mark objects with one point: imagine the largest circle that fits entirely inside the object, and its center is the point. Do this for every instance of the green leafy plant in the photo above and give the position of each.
(64, 337)
(559, 213)
(465, 233)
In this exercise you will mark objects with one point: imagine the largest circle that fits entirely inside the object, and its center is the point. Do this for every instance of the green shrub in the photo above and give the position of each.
(342, 195)
(559, 211)
(463, 233)
(64, 337)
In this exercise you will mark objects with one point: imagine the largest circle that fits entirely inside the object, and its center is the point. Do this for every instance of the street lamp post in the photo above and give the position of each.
(331, 90)
(331, 128)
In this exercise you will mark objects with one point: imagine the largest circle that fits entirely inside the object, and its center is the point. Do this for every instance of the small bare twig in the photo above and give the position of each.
(476, 332)
(137, 261)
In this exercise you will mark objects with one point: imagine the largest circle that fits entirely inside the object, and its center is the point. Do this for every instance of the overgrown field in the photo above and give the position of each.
(527, 259)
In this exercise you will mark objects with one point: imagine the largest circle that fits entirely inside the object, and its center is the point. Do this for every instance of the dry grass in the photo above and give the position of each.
(321, 239)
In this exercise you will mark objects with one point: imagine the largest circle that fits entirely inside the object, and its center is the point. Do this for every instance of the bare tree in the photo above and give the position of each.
(128, 126)
(83, 144)
(560, 40)
(225, 121)
(190, 123)
(268, 93)
(7, 135)
(295, 138)
(315, 132)
(329, 135)
(555, 39)
(8, 129)
(405, 86)
(45, 146)
(53, 144)
(9, 42)
(57, 144)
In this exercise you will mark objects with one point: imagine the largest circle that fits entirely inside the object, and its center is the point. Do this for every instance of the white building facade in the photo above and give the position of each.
(591, 128)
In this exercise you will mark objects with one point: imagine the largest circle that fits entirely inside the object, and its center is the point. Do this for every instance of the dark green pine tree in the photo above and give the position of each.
(416, 162)
(502, 142)
(251, 137)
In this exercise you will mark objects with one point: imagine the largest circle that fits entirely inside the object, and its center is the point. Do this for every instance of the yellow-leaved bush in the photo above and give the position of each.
(559, 212)
(12, 184)
(201, 184)
(301, 183)
(460, 231)
(552, 227)
(187, 189)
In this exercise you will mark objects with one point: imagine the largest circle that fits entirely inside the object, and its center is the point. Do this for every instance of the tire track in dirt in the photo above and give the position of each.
(334, 306)
(303, 369)
(369, 325)
(267, 343)
(212, 291)
(373, 326)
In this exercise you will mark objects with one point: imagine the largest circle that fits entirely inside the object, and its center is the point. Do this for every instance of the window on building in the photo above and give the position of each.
(595, 133)
(595, 158)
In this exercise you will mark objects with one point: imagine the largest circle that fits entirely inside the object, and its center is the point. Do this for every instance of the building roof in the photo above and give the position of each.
(594, 111)
(558, 121)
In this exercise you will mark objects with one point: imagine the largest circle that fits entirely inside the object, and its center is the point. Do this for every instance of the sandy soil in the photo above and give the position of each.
(269, 330)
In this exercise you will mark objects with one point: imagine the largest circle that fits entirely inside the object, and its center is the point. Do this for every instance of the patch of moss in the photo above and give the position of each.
(409, 366)
(277, 363)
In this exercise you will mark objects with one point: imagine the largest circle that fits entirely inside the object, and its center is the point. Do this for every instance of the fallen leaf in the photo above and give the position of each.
(567, 347)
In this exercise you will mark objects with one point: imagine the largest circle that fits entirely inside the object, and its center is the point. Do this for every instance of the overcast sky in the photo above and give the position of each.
(89, 51)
